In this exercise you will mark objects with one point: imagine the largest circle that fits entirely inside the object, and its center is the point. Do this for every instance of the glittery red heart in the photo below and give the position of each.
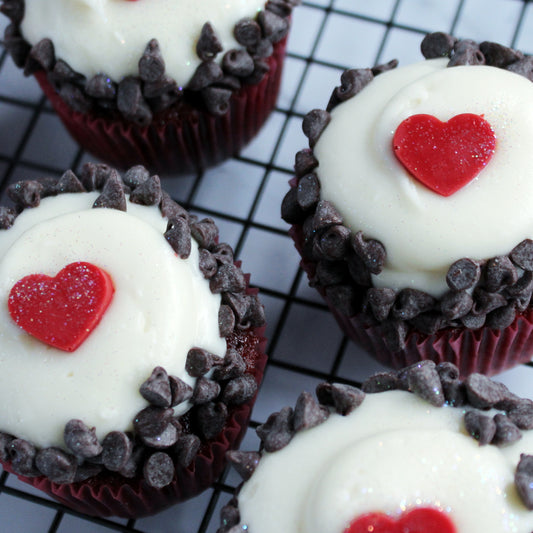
(62, 311)
(419, 520)
(444, 156)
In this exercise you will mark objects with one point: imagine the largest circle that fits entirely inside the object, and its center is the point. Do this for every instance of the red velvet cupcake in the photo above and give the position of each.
(411, 207)
(137, 338)
(175, 86)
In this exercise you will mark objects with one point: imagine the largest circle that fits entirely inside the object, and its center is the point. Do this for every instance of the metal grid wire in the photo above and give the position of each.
(244, 195)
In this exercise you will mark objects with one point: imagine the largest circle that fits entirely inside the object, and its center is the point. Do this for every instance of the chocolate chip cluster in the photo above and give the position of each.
(489, 292)
(138, 98)
(439, 385)
(160, 442)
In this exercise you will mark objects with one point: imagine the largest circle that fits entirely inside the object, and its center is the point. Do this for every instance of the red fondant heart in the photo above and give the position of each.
(64, 310)
(419, 520)
(444, 156)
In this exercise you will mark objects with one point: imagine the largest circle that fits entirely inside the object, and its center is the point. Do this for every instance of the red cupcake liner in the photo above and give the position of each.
(109, 494)
(180, 141)
(485, 350)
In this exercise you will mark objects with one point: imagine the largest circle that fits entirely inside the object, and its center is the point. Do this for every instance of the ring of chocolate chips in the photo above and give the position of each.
(490, 292)
(436, 384)
(138, 98)
(160, 442)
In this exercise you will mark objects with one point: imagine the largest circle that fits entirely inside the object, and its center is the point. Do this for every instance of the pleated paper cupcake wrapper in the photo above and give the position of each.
(109, 494)
(185, 142)
(485, 350)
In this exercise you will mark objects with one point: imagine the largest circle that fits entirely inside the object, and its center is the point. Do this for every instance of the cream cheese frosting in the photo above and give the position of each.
(423, 232)
(162, 307)
(109, 36)
(393, 453)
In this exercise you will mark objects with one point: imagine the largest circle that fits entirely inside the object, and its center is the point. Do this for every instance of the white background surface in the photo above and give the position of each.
(244, 195)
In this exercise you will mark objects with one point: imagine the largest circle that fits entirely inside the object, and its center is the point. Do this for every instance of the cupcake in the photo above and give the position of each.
(411, 208)
(174, 85)
(414, 451)
(132, 345)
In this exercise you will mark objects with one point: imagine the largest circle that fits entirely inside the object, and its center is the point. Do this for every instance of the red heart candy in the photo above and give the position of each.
(444, 156)
(419, 520)
(62, 311)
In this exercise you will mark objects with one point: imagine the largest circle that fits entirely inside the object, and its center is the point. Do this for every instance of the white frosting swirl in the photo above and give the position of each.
(109, 36)
(393, 453)
(423, 232)
(162, 307)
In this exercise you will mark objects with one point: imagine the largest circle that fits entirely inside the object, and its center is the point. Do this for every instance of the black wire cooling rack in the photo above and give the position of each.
(244, 195)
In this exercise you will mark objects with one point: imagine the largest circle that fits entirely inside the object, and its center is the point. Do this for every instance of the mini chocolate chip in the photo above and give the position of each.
(170, 209)
(485, 302)
(423, 380)
(522, 255)
(239, 390)
(411, 302)
(167, 438)
(371, 251)
(5, 443)
(151, 64)
(380, 301)
(186, 449)
(480, 427)
(69, 182)
(244, 463)
(498, 55)
(117, 450)
(314, 124)
(455, 304)
(238, 63)
(152, 420)
(156, 389)
(101, 86)
(22, 455)
(14, 10)
(305, 162)
(131, 103)
(217, 100)
(231, 82)
(208, 263)
(226, 320)
(58, 466)
(466, 52)
(447, 371)
(259, 51)
(239, 304)
(358, 271)
(344, 398)
(211, 419)
(520, 293)
(463, 274)
(502, 317)
(483, 392)
(325, 215)
(180, 390)
(223, 253)
(134, 462)
(454, 392)
(255, 317)
(207, 73)
(247, 32)
(343, 298)
(136, 175)
(308, 192)
(330, 273)
(429, 322)
(159, 470)
(523, 67)
(291, 212)
(208, 45)
(41, 56)
(394, 334)
(274, 27)
(148, 192)
(86, 471)
(205, 391)
(233, 366)
(81, 440)
(499, 272)
(308, 413)
(205, 232)
(437, 44)
(178, 235)
(7, 217)
(16, 45)
(506, 431)
(331, 244)
(509, 402)
(380, 382)
(353, 81)
(228, 278)
(384, 67)
(112, 196)
(25, 193)
(75, 98)
(277, 431)
(524, 480)
(94, 176)
(521, 414)
(283, 8)
(199, 362)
